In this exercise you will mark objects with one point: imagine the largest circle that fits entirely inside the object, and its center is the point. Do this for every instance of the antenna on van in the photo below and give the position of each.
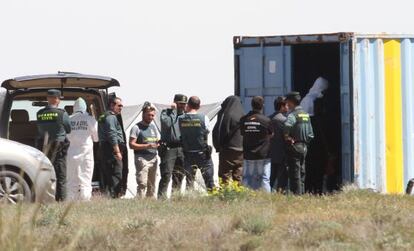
(62, 83)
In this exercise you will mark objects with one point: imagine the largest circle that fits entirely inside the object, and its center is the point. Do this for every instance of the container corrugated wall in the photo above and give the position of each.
(383, 99)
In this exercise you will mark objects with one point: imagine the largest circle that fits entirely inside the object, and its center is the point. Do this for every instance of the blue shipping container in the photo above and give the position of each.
(371, 99)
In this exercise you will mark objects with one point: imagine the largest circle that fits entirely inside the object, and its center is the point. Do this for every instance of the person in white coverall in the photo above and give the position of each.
(321, 150)
(80, 161)
(315, 92)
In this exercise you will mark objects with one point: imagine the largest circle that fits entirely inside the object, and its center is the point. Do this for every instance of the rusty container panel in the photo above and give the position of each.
(369, 119)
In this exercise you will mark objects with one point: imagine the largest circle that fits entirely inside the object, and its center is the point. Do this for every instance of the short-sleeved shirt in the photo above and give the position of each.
(145, 134)
(256, 129)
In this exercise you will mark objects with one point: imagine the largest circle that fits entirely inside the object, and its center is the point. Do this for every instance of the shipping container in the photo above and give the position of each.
(371, 97)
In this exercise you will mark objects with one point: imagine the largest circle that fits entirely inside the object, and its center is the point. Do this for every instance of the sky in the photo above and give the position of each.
(159, 48)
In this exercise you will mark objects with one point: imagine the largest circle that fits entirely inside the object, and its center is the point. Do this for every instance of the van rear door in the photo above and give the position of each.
(59, 81)
(5, 104)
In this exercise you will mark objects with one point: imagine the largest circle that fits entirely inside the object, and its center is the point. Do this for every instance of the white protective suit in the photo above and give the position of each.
(314, 93)
(80, 163)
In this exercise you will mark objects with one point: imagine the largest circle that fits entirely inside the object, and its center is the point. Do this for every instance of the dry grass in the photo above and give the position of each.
(354, 220)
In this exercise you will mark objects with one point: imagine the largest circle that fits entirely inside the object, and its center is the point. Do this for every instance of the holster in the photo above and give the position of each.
(162, 149)
(208, 151)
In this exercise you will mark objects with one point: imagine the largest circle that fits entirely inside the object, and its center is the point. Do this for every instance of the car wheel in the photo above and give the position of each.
(13, 188)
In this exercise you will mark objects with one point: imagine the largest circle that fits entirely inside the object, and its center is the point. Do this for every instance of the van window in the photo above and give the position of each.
(32, 110)
(22, 121)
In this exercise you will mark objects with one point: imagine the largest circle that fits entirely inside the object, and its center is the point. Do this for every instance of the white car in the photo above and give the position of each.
(26, 174)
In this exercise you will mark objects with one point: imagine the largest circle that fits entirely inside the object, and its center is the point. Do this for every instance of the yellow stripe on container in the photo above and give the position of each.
(393, 116)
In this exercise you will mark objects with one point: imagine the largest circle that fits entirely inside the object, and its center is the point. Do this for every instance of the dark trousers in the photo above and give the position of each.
(230, 165)
(203, 162)
(57, 151)
(279, 176)
(296, 155)
(112, 171)
(172, 165)
(125, 169)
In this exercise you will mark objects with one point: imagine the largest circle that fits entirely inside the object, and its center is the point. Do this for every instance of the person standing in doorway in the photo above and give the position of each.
(111, 137)
(171, 151)
(194, 129)
(144, 141)
(53, 126)
(228, 141)
(278, 176)
(256, 130)
(322, 161)
(80, 154)
(298, 134)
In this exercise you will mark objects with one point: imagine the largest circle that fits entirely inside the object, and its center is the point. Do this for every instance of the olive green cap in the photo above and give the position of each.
(180, 98)
(293, 96)
(54, 93)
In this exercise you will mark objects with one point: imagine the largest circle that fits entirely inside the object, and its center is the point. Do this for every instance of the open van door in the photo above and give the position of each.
(98, 174)
(5, 103)
(59, 81)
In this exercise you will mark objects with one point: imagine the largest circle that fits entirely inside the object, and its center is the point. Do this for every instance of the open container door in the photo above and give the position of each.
(346, 110)
(261, 70)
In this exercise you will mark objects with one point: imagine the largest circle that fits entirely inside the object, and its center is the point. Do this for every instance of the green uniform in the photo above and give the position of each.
(110, 130)
(53, 123)
(110, 134)
(194, 132)
(298, 127)
(171, 153)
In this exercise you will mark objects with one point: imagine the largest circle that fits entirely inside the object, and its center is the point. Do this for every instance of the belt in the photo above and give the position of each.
(106, 142)
(174, 145)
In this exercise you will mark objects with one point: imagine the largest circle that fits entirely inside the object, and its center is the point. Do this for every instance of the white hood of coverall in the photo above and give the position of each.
(79, 106)
(314, 93)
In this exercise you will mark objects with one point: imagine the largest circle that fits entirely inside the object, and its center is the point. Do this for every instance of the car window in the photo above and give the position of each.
(32, 110)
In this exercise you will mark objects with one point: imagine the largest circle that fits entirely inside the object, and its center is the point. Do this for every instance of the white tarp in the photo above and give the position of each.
(131, 115)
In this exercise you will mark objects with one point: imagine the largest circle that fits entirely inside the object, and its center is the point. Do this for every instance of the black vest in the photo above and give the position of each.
(193, 132)
(147, 135)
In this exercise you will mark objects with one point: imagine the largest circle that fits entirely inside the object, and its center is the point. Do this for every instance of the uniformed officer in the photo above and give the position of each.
(171, 151)
(194, 129)
(298, 133)
(111, 137)
(53, 125)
